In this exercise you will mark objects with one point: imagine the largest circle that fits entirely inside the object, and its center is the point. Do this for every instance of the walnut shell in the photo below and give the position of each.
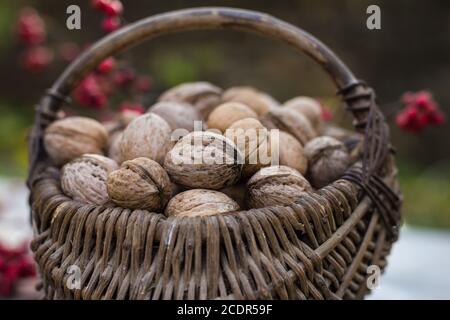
(256, 100)
(290, 121)
(290, 152)
(178, 115)
(204, 96)
(200, 202)
(147, 136)
(253, 140)
(204, 159)
(328, 159)
(269, 100)
(310, 108)
(84, 179)
(227, 113)
(276, 185)
(114, 146)
(71, 137)
(140, 183)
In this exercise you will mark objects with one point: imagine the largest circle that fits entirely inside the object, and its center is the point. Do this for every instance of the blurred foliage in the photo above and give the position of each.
(7, 16)
(426, 195)
(181, 66)
(13, 149)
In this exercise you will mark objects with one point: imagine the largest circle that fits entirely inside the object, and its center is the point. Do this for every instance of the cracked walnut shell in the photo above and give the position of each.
(276, 185)
(328, 159)
(257, 101)
(84, 179)
(291, 121)
(71, 137)
(308, 107)
(178, 115)
(140, 183)
(253, 139)
(290, 151)
(204, 96)
(147, 136)
(200, 202)
(227, 113)
(204, 159)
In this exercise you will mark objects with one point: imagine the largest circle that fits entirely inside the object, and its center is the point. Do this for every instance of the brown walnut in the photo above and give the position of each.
(84, 179)
(140, 183)
(276, 185)
(71, 137)
(328, 159)
(204, 160)
(147, 136)
(290, 121)
(200, 202)
(204, 96)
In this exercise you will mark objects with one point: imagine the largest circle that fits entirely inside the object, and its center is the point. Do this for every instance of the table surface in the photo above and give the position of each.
(418, 268)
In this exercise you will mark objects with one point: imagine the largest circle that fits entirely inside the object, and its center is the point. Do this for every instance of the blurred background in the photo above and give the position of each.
(410, 53)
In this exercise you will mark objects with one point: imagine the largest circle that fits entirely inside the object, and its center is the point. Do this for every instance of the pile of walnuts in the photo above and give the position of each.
(201, 151)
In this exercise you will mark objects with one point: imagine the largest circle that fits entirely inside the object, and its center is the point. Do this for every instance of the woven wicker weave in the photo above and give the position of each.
(317, 248)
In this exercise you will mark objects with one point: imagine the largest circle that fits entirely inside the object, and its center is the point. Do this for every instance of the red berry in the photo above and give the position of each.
(411, 113)
(111, 24)
(89, 93)
(36, 59)
(124, 77)
(110, 7)
(401, 120)
(30, 27)
(326, 113)
(113, 8)
(6, 286)
(437, 118)
(422, 120)
(107, 65)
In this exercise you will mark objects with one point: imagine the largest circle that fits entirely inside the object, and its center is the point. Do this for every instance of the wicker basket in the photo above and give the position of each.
(317, 248)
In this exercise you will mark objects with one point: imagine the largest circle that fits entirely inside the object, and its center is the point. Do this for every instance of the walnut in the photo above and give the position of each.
(84, 179)
(114, 146)
(290, 151)
(140, 183)
(252, 138)
(276, 185)
(290, 121)
(308, 107)
(225, 114)
(71, 137)
(204, 160)
(204, 96)
(200, 202)
(147, 136)
(178, 115)
(328, 159)
(257, 101)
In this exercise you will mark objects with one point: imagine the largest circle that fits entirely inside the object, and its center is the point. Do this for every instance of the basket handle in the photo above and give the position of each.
(359, 97)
